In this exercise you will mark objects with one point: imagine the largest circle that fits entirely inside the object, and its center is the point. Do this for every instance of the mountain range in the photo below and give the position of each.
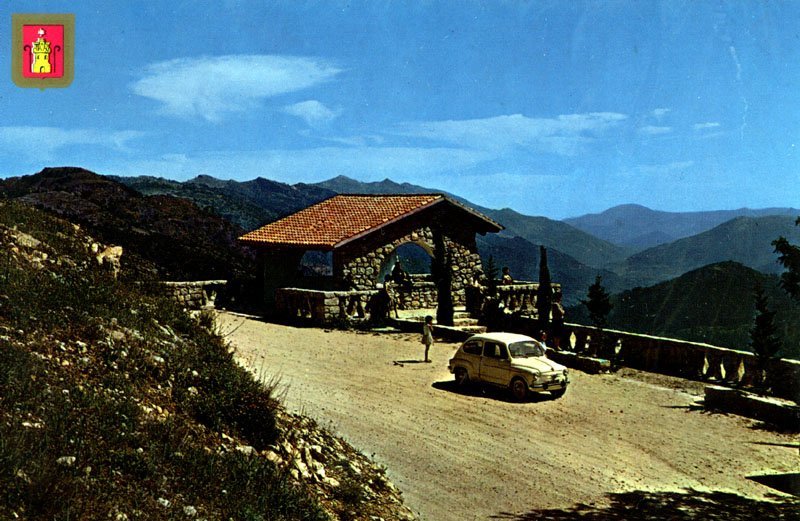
(576, 255)
(746, 240)
(639, 227)
(252, 203)
(188, 230)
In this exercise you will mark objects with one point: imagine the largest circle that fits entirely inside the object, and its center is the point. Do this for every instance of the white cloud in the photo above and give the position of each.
(360, 141)
(213, 87)
(661, 112)
(42, 142)
(313, 112)
(652, 130)
(665, 169)
(706, 126)
(563, 135)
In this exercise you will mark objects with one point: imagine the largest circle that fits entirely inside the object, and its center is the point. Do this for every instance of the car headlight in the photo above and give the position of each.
(535, 377)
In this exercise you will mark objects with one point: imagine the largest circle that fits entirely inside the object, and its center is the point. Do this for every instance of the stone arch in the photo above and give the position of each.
(393, 256)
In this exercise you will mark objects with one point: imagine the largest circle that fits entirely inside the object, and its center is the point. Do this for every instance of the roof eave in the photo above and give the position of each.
(290, 245)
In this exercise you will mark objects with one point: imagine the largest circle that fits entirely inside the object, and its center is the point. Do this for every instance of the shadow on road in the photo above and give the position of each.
(771, 427)
(688, 408)
(488, 392)
(788, 483)
(676, 506)
(403, 362)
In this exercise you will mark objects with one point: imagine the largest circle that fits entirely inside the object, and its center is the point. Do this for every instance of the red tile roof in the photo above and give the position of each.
(333, 221)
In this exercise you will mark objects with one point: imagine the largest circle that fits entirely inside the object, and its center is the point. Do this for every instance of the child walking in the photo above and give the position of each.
(427, 335)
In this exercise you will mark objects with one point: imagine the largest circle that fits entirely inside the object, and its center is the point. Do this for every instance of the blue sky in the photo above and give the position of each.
(549, 108)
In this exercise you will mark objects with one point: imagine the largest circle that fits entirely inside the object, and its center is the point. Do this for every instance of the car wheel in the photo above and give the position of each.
(558, 394)
(462, 377)
(519, 389)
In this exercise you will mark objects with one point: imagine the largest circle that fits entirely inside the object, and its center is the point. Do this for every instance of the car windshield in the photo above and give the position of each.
(525, 349)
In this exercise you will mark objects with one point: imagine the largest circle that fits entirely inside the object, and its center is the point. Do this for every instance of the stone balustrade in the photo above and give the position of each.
(318, 307)
(519, 297)
(324, 307)
(692, 360)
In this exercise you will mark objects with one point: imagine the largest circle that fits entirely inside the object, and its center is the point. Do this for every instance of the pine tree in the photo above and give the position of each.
(763, 337)
(790, 258)
(544, 295)
(598, 303)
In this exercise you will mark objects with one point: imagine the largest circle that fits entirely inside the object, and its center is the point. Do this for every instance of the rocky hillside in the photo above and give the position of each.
(117, 404)
(171, 235)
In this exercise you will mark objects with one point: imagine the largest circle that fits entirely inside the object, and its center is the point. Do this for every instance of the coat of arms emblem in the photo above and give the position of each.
(43, 50)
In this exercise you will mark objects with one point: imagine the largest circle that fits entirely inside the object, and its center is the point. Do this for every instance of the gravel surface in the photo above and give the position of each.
(477, 455)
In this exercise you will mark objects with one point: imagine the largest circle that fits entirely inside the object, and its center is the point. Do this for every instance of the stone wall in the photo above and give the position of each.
(319, 307)
(194, 294)
(360, 263)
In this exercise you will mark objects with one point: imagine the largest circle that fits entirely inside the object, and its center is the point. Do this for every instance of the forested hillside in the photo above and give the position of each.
(713, 304)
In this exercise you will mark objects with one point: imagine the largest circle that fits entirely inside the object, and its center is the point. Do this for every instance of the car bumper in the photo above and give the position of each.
(555, 385)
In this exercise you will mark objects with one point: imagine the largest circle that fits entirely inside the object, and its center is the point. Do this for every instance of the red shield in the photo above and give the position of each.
(43, 51)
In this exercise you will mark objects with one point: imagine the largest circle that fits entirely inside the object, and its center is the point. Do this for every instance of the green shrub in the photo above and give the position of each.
(77, 350)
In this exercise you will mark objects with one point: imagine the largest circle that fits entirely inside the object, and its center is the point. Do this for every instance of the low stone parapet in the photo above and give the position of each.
(420, 294)
(587, 364)
(194, 294)
(316, 307)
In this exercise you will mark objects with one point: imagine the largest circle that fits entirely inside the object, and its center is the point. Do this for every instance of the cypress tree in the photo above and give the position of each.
(443, 276)
(491, 277)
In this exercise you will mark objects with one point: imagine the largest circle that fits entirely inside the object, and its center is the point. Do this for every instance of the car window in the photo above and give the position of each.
(526, 349)
(472, 347)
(493, 350)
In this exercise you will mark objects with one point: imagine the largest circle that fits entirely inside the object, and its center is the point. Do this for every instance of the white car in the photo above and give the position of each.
(517, 362)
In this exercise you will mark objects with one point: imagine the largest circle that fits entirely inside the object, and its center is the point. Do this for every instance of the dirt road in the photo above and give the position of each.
(444, 449)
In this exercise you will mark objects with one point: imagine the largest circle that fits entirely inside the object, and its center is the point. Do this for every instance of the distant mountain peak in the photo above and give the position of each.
(203, 177)
(341, 178)
(64, 171)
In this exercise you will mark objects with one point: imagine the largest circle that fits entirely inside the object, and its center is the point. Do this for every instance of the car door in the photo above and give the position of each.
(495, 364)
(470, 357)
